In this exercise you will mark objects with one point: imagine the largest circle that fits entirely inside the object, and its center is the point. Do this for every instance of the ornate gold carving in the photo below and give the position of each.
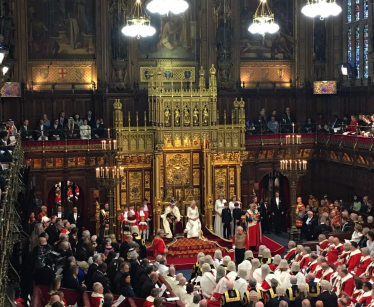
(71, 162)
(220, 179)
(231, 192)
(147, 180)
(135, 186)
(147, 194)
(196, 177)
(49, 162)
(123, 198)
(196, 158)
(178, 169)
(232, 176)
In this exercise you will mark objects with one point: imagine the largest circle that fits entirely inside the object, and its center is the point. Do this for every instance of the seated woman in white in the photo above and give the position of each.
(193, 227)
(85, 130)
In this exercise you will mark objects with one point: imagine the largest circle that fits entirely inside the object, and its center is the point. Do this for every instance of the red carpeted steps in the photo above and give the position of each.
(187, 248)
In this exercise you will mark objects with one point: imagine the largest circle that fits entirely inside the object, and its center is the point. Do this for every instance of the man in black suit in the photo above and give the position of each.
(364, 206)
(265, 217)
(59, 213)
(134, 263)
(81, 253)
(142, 279)
(226, 221)
(124, 248)
(346, 226)
(321, 228)
(287, 120)
(328, 297)
(44, 275)
(149, 284)
(62, 119)
(41, 131)
(309, 225)
(26, 133)
(55, 131)
(139, 272)
(278, 211)
(98, 129)
(71, 281)
(53, 231)
(75, 218)
(90, 120)
(99, 276)
(97, 260)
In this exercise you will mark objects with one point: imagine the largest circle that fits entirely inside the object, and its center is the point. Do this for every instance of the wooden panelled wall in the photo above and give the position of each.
(302, 104)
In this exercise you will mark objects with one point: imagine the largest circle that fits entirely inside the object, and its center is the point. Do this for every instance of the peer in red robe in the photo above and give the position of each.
(353, 260)
(347, 284)
(312, 266)
(149, 301)
(290, 254)
(304, 261)
(97, 299)
(369, 273)
(159, 247)
(356, 294)
(252, 216)
(365, 298)
(324, 244)
(334, 253)
(364, 263)
(326, 274)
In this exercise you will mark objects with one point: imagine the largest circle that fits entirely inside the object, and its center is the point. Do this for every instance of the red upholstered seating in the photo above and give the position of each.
(40, 297)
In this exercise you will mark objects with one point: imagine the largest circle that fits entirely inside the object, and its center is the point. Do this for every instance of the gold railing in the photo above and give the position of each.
(9, 218)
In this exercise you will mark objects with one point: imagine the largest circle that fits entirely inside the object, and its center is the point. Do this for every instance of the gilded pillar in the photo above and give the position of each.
(118, 211)
(238, 182)
(157, 209)
(209, 199)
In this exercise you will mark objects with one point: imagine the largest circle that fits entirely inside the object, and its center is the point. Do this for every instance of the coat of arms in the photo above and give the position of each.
(79, 73)
(44, 73)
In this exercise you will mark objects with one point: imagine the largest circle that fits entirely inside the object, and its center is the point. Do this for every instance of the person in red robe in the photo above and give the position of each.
(364, 261)
(252, 217)
(325, 273)
(366, 296)
(43, 213)
(346, 283)
(97, 296)
(305, 257)
(323, 242)
(353, 260)
(150, 299)
(352, 128)
(312, 263)
(342, 259)
(291, 251)
(335, 251)
(368, 275)
(159, 247)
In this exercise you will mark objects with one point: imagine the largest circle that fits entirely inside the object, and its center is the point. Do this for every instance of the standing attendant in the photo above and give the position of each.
(218, 219)
(253, 229)
(278, 210)
(266, 217)
(159, 246)
(300, 212)
(237, 215)
(239, 244)
(309, 226)
(232, 203)
(226, 221)
(104, 221)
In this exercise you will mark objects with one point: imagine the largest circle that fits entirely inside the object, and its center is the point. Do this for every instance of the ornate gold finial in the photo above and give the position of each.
(202, 72)
(236, 103)
(117, 104)
(212, 70)
(241, 103)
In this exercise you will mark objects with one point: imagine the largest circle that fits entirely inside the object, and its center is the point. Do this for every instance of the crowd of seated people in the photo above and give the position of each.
(361, 125)
(62, 128)
(337, 274)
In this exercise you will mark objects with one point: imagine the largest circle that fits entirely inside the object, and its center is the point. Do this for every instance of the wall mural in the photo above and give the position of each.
(61, 29)
(175, 36)
(276, 46)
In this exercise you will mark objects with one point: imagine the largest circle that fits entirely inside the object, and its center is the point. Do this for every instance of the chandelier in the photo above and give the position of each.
(138, 23)
(163, 7)
(263, 20)
(323, 8)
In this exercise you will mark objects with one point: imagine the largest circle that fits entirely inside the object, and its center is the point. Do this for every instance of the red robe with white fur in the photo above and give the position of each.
(97, 299)
(365, 298)
(312, 266)
(290, 253)
(347, 285)
(324, 244)
(304, 261)
(353, 260)
(364, 262)
(326, 275)
(334, 253)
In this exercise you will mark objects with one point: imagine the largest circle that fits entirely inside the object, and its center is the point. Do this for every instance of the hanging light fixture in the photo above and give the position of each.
(263, 20)
(163, 7)
(138, 23)
(322, 8)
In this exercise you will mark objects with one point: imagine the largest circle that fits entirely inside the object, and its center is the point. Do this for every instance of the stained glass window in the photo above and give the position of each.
(357, 10)
(366, 51)
(349, 55)
(349, 11)
(366, 8)
(358, 51)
